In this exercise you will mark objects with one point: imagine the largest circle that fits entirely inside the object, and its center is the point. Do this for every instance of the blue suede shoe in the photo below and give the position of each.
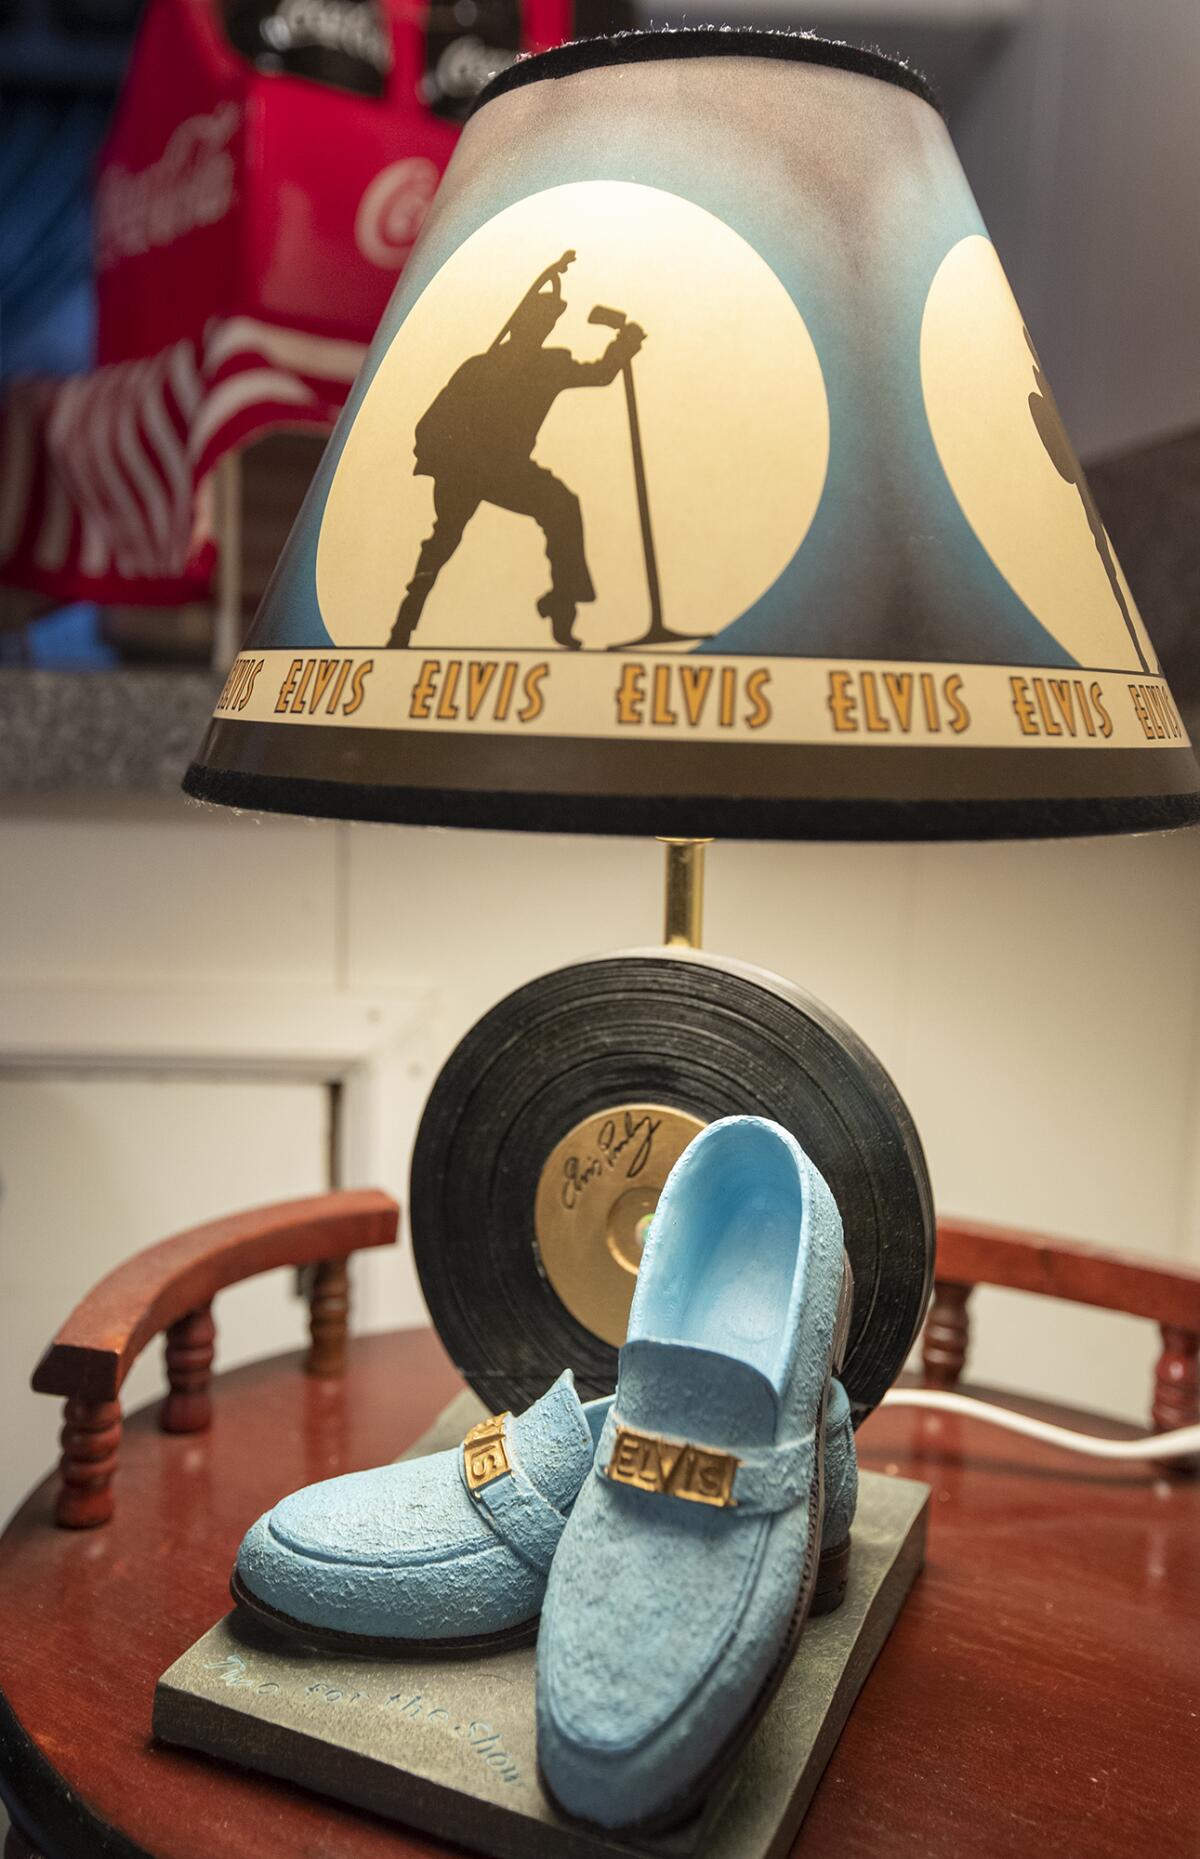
(453, 1581)
(446, 1553)
(687, 1567)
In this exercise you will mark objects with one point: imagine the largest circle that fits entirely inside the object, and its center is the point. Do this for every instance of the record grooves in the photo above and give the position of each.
(608, 1045)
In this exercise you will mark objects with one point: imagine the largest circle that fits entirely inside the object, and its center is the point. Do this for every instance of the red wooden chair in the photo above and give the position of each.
(970, 1253)
(170, 1288)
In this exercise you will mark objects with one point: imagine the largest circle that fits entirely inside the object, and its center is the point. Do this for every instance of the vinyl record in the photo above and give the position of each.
(554, 1123)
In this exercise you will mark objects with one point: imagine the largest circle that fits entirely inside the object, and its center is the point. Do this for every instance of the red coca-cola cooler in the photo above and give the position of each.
(268, 169)
(231, 186)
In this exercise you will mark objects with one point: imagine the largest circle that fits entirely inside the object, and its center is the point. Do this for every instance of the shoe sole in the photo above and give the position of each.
(828, 1595)
(691, 1804)
(330, 1639)
(833, 1576)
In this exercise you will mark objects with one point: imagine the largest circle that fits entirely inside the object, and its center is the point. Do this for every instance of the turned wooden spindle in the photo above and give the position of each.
(90, 1437)
(168, 1290)
(189, 1356)
(1177, 1385)
(329, 1307)
(947, 1334)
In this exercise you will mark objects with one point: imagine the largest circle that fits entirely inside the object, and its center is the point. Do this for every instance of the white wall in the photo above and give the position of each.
(94, 1167)
(1079, 138)
(180, 1037)
(1038, 1005)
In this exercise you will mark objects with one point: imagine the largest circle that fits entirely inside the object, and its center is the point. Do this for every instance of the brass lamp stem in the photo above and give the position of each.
(684, 915)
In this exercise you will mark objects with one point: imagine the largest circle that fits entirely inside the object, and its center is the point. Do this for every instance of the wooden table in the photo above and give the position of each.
(1041, 1693)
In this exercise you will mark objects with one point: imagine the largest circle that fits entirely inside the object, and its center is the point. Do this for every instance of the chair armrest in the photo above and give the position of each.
(169, 1288)
(971, 1252)
(104, 1335)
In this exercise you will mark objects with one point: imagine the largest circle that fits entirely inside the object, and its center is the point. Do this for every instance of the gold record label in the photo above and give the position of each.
(595, 1196)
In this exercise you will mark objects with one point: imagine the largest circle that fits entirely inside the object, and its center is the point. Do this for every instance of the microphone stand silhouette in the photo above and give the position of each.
(656, 633)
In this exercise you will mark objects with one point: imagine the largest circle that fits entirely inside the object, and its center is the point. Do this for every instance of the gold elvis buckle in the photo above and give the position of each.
(675, 1467)
(485, 1452)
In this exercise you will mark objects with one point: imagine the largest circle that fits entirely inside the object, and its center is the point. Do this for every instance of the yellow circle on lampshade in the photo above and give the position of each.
(1011, 466)
(730, 401)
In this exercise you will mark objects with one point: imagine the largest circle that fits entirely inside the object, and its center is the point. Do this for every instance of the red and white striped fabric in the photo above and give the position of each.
(105, 478)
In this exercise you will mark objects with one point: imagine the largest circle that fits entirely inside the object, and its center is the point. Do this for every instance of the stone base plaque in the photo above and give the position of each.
(449, 1745)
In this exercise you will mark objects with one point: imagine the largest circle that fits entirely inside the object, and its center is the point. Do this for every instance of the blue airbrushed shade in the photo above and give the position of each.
(889, 558)
(890, 568)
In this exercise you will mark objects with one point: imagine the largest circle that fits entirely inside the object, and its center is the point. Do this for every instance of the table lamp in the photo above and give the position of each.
(703, 479)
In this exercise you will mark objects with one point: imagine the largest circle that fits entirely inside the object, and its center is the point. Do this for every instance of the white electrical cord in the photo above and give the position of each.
(1180, 1443)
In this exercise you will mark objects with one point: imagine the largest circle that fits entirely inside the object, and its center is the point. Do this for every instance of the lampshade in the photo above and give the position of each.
(703, 478)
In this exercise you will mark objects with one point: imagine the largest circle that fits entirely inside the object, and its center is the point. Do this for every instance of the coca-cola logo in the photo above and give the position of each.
(392, 210)
(466, 65)
(353, 30)
(190, 185)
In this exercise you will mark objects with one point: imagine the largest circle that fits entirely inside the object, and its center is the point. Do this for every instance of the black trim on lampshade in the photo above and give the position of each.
(630, 48)
(693, 817)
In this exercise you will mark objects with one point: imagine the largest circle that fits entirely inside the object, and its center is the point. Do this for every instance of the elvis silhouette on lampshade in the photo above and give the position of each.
(476, 442)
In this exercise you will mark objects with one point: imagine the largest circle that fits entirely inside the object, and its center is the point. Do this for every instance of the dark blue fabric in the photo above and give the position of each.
(48, 153)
